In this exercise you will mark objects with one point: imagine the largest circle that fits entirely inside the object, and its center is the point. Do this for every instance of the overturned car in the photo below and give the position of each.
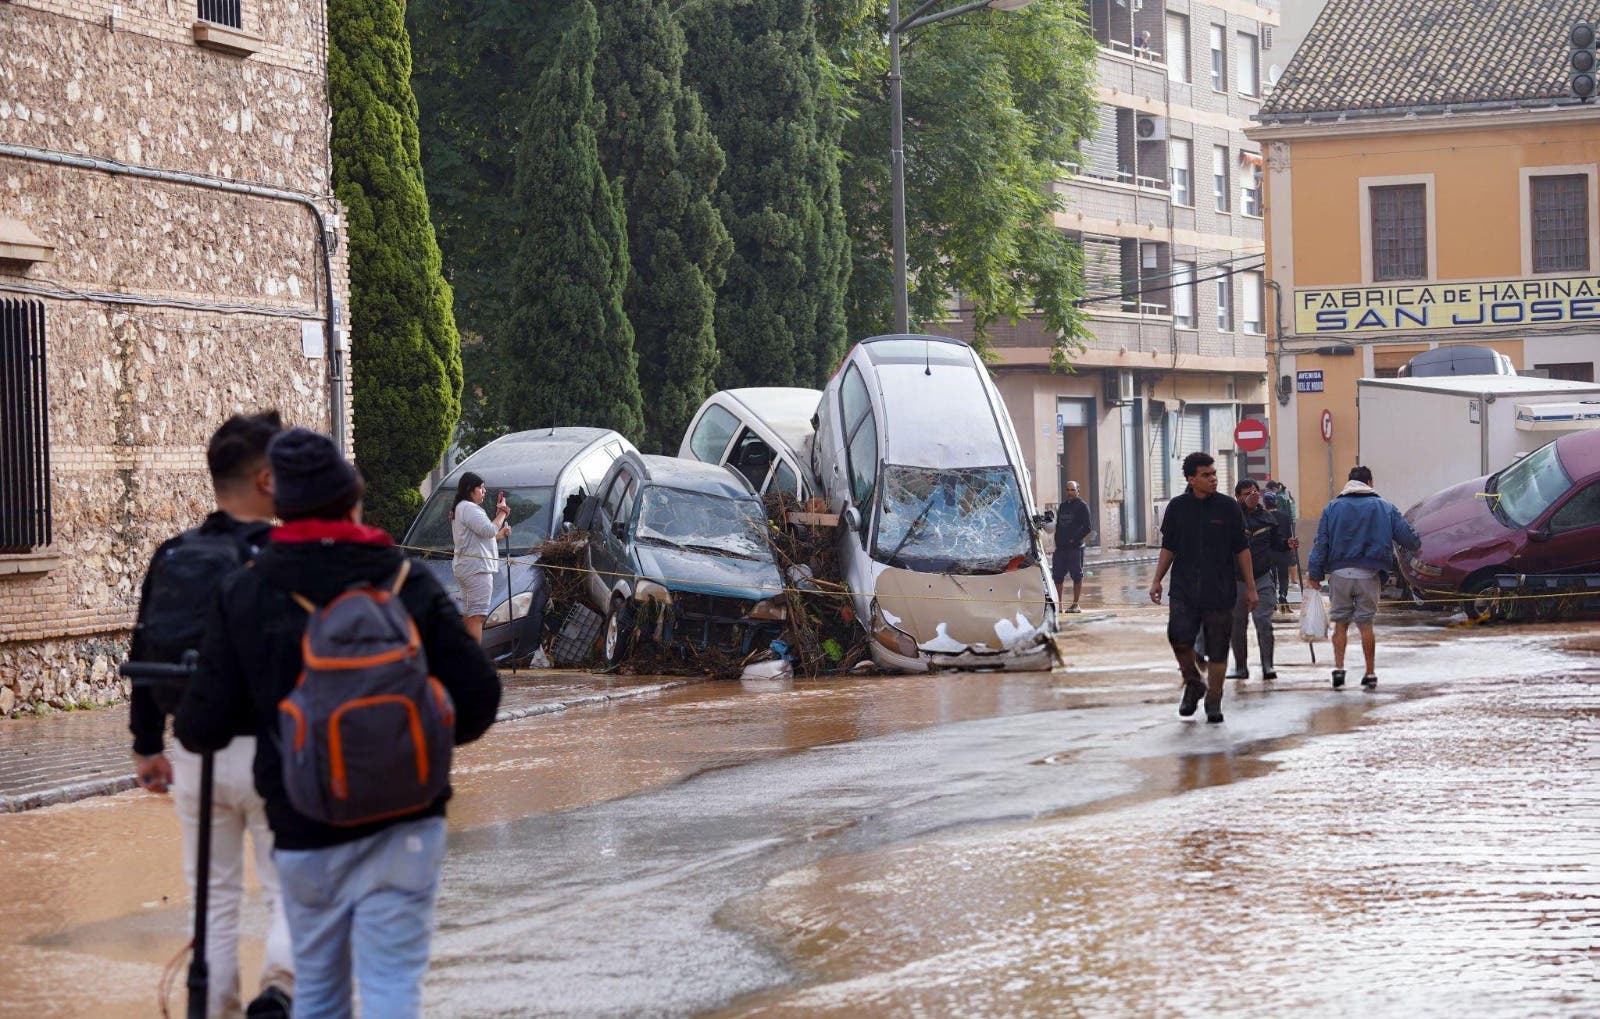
(940, 543)
(678, 557)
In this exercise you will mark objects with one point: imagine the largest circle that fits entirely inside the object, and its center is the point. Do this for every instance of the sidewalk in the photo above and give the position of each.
(76, 754)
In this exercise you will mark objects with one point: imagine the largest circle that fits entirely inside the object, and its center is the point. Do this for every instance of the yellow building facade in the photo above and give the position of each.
(1397, 222)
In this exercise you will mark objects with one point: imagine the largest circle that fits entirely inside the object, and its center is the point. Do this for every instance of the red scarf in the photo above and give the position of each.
(330, 531)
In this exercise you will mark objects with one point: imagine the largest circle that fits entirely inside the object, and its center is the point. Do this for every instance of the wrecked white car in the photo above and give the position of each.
(940, 542)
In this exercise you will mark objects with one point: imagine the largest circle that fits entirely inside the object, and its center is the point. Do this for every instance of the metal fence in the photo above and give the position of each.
(24, 429)
(222, 12)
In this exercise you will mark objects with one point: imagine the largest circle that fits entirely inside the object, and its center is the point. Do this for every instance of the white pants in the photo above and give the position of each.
(236, 809)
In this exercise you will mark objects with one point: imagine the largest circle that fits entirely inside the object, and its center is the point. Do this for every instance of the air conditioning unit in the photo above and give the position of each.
(1119, 386)
(1150, 128)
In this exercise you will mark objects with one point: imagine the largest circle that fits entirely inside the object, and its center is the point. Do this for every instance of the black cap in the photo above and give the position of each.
(309, 474)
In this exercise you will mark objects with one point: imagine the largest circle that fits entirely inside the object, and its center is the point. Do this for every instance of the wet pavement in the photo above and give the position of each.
(1048, 844)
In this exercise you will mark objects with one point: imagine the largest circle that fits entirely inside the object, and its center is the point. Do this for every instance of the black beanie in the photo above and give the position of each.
(309, 474)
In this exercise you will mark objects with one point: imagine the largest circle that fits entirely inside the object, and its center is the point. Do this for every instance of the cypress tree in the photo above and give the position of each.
(655, 144)
(405, 352)
(760, 75)
(566, 354)
(474, 63)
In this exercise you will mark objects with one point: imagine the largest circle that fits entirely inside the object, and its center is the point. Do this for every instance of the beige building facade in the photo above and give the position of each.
(1166, 203)
(169, 255)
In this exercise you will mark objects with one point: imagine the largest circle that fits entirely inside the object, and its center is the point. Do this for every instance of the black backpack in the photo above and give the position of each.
(184, 578)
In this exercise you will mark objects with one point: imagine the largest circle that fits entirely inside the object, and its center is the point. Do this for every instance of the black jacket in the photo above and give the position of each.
(251, 658)
(1072, 523)
(147, 720)
(1268, 537)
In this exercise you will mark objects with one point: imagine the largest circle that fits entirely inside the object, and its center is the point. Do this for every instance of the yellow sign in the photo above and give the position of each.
(1407, 307)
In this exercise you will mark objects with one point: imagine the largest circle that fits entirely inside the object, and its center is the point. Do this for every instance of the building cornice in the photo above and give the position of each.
(1289, 127)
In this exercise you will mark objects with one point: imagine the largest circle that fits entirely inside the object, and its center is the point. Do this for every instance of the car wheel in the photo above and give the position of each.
(618, 632)
(1483, 595)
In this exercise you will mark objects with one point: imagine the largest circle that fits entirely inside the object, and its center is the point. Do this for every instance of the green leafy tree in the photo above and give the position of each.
(767, 91)
(565, 355)
(994, 104)
(656, 145)
(475, 63)
(405, 352)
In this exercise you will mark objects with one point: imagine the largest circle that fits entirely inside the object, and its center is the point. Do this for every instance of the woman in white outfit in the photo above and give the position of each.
(477, 557)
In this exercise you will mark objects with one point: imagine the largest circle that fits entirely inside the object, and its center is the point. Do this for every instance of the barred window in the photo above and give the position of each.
(1399, 232)
(24, 429)
(222, 12)
(1559, 208)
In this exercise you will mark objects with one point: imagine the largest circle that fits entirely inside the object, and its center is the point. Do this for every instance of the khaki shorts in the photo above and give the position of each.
(1350, 598)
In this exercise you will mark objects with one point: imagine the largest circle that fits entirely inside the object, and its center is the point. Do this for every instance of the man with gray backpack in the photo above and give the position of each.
(357, 676)
(216, 798)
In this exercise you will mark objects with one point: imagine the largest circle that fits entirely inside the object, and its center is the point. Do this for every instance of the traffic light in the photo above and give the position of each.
(1581, 61)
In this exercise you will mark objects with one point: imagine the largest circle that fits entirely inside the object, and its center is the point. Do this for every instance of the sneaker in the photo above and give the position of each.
(1338, 678)
(1269, 675)
(1369, 682)
(1214, 717)
(1073, 608)
(1192, 692)
(271, 1003)
(1239, 673)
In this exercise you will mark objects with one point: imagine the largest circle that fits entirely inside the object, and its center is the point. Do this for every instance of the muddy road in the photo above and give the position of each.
(1041, 844)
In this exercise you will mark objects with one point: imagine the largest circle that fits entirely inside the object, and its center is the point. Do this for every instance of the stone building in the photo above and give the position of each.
(1166, 202)
(169, 254)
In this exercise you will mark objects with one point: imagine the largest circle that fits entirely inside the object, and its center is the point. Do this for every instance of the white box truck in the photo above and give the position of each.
(1423, 435)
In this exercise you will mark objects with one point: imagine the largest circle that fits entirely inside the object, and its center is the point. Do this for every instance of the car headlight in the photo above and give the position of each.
(772, 608)
(517, 606)
(649, 590)
(890, 635)
(1423, 569)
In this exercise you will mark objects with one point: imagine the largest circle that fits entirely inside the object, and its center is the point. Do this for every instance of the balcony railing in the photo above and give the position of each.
(1124, 177)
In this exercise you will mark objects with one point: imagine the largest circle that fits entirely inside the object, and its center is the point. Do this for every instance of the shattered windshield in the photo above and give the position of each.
(701, 522)
(1528, 487)
(956, 520)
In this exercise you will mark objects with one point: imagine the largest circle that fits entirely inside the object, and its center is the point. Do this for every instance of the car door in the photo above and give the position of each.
(1569, 539)
(604, 560)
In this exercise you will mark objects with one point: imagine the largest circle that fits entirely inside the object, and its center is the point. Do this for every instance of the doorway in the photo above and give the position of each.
(1076, 453)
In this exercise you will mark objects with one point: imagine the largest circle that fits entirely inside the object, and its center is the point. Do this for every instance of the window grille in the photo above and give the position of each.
(1559, 207)
(223, 12)
(24, 429)
(1399, 232)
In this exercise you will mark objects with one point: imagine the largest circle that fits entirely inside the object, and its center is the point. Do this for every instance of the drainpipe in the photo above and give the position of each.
(336, 376)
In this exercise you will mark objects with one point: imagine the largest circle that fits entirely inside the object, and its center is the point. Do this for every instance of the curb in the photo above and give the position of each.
(68, 793)
(551, 708)
(71, 792)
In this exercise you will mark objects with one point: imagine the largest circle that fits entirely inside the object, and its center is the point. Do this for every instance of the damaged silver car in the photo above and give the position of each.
(940, 543)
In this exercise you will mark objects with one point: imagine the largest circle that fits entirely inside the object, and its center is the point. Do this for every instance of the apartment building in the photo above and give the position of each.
(1165, 199)
(169, 255)
(1419, 198)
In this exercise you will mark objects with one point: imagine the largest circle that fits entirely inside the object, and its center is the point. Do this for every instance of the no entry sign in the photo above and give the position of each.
(1250, 435)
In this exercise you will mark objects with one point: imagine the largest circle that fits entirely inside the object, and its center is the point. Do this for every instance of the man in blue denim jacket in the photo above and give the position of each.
(1354, 547)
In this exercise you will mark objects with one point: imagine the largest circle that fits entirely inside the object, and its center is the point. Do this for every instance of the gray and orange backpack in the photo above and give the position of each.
(366, 732)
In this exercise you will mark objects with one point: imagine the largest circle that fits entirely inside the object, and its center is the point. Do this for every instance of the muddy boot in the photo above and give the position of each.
(1193, 690)
(1214, 699)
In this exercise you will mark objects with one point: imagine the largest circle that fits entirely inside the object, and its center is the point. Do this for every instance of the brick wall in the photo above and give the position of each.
(214, 288)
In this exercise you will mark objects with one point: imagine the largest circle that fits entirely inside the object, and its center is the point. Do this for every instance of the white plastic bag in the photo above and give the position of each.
(1313, 615)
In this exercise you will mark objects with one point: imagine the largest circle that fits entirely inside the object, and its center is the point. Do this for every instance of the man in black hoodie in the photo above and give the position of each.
(368, 887)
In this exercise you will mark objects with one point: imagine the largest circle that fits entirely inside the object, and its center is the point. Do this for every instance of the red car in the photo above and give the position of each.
(1539, 515)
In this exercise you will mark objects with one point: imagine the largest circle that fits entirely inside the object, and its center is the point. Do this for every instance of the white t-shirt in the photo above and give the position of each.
(473, 535)
(1349, 572)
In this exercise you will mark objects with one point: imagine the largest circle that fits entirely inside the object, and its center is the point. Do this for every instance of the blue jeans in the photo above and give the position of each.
(374, 896)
